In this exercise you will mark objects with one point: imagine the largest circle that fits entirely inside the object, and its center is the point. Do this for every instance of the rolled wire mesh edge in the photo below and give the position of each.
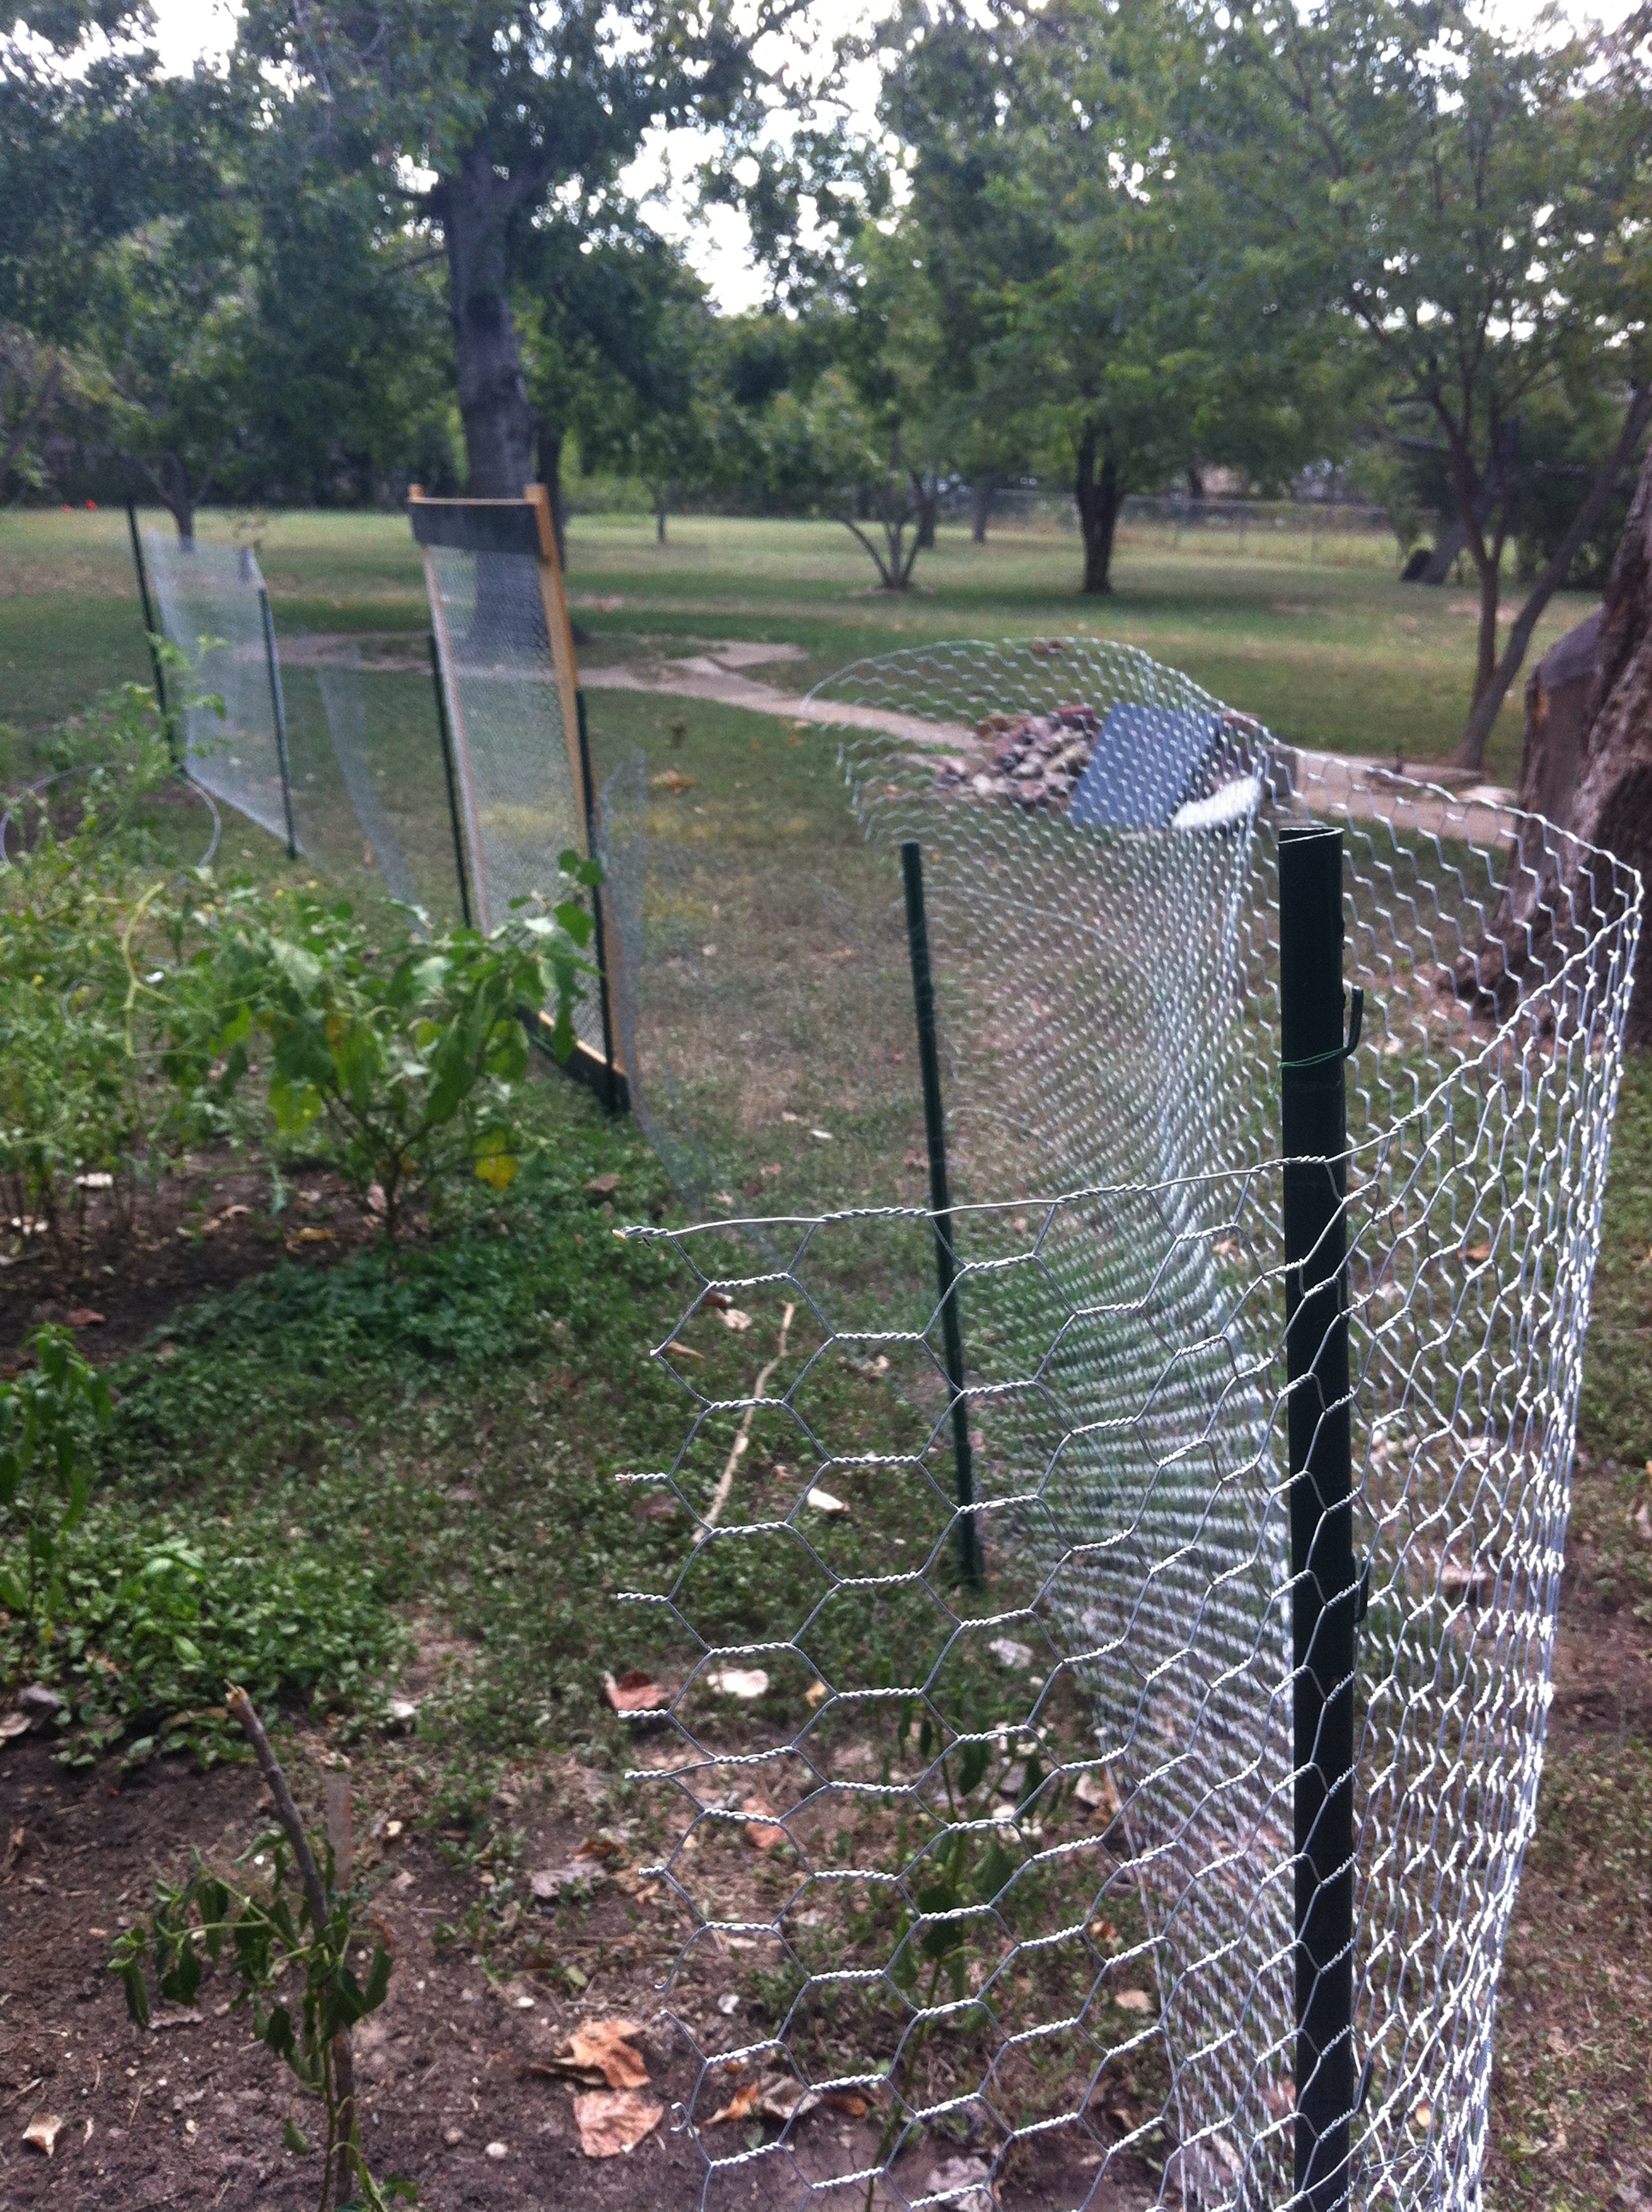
(1015, 1864)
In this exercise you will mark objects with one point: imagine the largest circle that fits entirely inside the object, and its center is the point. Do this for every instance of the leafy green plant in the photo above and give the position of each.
(152, 1616)
(405, 1065)
(44, 1412)
(259, 1935)
(99, 957)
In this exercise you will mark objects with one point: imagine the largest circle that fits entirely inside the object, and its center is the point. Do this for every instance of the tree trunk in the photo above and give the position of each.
(983, 506)
(928, 513)
(662, 508)
(492, 399)
(551, 435)
(1588, 763)
(171, 480)
(1099, 501)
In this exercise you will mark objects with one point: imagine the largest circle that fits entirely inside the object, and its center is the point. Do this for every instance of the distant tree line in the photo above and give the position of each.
(1099, 248)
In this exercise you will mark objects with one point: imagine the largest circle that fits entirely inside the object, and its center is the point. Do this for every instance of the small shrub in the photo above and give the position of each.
(257, 1933)
(44, 1412)
(401, 1064)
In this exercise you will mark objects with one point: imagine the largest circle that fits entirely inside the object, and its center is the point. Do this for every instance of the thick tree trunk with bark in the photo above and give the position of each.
(929, 507)
(1587, 765)
(1476, 734)
(982, 508)
(474, 206)
(1100, 497)
(171, 478)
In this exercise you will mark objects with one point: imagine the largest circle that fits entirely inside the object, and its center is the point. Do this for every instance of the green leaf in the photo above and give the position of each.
(977, 1758)
(295, 2138)
(993, 1871)
(377, 1983)
(278, 2034)
(137, 1995)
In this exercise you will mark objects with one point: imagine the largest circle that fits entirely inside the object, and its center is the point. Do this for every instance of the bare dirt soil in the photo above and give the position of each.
(206, 1228)
(452, 2072)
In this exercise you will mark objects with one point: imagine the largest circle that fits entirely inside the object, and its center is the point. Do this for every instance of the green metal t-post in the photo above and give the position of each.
(278, 709)
(151, 629)
(599, 943)
(453, 787)
(940, 1206)
(1324, 1582)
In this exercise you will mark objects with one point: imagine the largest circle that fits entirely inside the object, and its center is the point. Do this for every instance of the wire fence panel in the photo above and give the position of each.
(1019, 1872)
(514, 751)
(207, 597)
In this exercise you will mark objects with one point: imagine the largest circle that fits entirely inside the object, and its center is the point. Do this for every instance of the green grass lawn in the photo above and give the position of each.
(1330, 652)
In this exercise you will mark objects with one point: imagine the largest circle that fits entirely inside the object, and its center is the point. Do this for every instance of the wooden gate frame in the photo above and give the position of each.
(524, 526)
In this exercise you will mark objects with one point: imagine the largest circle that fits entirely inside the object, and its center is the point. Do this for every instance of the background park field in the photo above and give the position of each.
(389, 1536)
(1316, 637)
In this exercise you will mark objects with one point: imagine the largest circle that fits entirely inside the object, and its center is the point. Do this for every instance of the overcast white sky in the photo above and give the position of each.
(714, 240)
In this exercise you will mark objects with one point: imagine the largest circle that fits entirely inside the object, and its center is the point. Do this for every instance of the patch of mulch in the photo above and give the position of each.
(206, 1228)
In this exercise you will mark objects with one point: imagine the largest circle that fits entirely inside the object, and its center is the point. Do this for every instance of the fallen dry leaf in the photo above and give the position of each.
(302, 1237)
(1476, 1252)
(746, 1682)
(670, 779)
(584, 1870)
(613, 2122)
(13, 1849)
(42, 2131)
(814, 1694)
(761, 1828)
(965, 2183)
(731, 1317)
(12, 1725)
(1132, 2000)
(780, 2096)
(84, 1317)
(683, 1351)
(603, 1185)
(1097, 1791)
(742, 2105)
(599, 2053)
(635, 1692)
(825, 1501)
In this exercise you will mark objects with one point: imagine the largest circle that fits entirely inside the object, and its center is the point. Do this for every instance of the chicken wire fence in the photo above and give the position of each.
(333, 751)
(510, 692)
(1117, 1795)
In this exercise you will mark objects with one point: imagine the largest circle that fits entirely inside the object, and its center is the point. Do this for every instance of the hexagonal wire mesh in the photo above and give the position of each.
(1010, 1867)
(520, 792)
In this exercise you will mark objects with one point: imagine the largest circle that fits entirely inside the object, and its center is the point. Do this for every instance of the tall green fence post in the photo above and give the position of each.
(151, 628)
(278, 708)
(1324, 1584)
(940, 1204)
(452, 787)
(600, 944)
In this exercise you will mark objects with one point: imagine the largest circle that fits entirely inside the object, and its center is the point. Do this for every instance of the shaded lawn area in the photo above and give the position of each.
(1330, 653)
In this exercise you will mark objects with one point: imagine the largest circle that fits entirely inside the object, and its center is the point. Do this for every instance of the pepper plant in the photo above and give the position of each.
(44, 1414)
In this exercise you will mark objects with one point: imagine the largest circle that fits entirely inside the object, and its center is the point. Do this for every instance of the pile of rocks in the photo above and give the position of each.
(1036, 759)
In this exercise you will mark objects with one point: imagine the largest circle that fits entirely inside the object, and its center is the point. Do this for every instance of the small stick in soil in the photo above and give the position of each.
(725, 1481)
(240, 1709)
